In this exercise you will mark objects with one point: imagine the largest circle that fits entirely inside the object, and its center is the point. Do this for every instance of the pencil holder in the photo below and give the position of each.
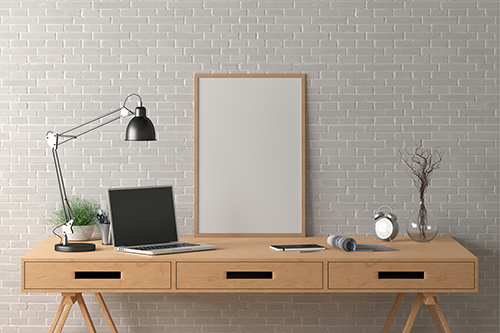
(105, 234)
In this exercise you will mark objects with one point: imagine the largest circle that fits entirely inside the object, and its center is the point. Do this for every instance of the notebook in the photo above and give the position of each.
(143, 221)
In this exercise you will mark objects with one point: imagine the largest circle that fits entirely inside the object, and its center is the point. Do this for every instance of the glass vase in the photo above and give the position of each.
(422, 224)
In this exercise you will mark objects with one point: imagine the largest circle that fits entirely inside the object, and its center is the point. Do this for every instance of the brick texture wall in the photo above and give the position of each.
(380, 75)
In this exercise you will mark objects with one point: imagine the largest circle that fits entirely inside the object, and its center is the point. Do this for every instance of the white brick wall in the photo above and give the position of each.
(380, 75)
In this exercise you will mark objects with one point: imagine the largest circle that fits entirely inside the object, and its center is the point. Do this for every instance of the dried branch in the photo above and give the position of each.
(421, 162)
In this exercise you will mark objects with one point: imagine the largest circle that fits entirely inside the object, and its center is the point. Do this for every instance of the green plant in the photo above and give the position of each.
(84, 210)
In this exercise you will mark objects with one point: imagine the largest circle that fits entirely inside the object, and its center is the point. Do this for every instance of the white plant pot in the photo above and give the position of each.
(81, 233)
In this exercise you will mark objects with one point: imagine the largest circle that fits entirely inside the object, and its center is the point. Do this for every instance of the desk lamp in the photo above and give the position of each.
(140, 128)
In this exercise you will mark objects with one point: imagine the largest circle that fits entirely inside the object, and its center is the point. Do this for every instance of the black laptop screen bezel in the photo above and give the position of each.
(142, 215)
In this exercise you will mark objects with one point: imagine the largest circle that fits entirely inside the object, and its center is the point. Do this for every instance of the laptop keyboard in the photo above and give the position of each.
(164, 246)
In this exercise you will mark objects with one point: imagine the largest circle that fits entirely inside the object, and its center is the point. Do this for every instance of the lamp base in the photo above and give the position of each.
(75, 247)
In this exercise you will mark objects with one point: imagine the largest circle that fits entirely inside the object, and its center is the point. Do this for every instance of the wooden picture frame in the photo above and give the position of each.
(249, 155)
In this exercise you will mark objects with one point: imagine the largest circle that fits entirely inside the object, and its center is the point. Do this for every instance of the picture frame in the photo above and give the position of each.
(249, 155)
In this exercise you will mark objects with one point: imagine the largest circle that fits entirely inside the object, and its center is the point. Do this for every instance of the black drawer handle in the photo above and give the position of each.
(249, 275)
(98, 275)
(401, 275)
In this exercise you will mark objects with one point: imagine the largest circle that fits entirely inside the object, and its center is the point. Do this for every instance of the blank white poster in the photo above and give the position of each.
(250, 144)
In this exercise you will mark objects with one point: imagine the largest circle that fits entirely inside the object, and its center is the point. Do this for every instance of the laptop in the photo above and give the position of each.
(143, 221)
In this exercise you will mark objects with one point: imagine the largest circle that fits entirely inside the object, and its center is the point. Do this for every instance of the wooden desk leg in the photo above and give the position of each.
(66, 303)
(392, 314)
(413, 313)
(440, 314)
(429, 300)
(85, 313)
(435, 318)
(107, 315)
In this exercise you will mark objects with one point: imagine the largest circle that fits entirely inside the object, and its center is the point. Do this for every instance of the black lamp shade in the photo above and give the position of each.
(140, 128)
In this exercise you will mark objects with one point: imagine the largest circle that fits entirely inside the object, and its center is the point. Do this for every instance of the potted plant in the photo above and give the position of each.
(85, 212)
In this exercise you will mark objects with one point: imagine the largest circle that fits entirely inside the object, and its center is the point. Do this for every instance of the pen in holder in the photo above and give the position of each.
(105, 228)
(105, 234)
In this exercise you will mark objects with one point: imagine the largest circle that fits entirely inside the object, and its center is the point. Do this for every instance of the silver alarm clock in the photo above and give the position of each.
(386, 226)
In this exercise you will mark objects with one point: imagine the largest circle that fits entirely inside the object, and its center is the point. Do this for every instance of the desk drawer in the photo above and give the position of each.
(400, 276)
(250, 275)
(96, 275)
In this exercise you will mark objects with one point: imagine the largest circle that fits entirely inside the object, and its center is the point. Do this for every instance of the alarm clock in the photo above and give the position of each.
(386, 226)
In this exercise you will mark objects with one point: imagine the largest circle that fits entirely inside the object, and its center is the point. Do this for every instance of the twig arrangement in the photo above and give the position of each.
(422, 162)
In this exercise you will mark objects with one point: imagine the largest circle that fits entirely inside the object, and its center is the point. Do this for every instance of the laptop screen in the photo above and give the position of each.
(142, 215)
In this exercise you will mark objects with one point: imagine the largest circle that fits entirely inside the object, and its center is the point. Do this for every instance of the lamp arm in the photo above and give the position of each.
(91, 121)
(69, 217)
(53, 138)
(54, 143)
(72, 137)
(62, 189)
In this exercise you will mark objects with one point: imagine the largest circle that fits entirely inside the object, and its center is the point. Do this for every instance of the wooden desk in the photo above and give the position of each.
(248, 265)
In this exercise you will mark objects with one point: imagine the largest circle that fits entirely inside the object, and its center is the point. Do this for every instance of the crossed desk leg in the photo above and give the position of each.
(429, 300)
(71, 298)
(64, 308)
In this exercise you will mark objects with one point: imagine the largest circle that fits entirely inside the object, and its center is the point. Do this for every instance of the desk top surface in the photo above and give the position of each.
(257, 249)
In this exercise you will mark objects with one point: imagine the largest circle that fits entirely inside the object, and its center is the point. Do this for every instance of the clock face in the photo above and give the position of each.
(383, 228)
